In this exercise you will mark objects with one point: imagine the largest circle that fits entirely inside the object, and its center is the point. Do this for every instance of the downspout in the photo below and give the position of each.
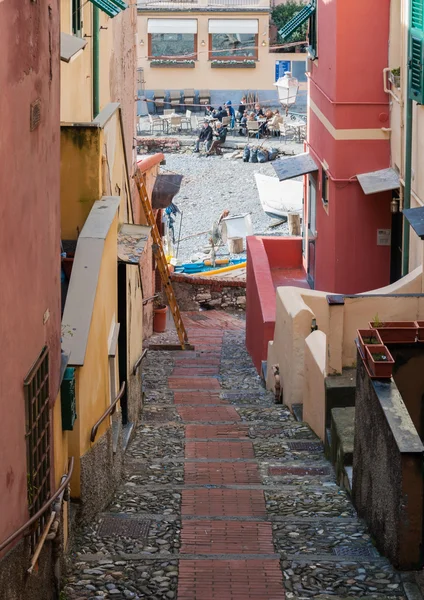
(407, 192)
(96, 61)
(408, 157)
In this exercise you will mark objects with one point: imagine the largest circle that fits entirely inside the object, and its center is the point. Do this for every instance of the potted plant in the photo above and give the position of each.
(394, 77)
(159, 318)
(395, 332)
(368, 337)
(379, 360)
(233, 64)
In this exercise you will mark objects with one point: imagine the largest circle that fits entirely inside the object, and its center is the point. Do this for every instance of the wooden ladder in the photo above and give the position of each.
(161, 261)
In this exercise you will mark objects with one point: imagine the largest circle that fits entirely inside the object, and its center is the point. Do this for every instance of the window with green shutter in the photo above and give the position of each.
(416, 52)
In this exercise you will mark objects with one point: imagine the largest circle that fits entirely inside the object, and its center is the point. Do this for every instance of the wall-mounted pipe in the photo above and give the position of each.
(408, 154)
(96, 61)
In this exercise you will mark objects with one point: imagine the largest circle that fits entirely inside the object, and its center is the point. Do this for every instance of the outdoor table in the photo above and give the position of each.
(167, 119)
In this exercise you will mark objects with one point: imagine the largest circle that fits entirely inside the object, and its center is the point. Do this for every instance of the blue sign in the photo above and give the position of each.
(281, 66)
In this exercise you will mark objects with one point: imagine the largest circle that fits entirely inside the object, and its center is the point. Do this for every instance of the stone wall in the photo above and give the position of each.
(16, 584)
(201, 292)
(157, 144)
(387, 470)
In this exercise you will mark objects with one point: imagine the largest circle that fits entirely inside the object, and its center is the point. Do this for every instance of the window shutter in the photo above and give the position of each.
(416, 52)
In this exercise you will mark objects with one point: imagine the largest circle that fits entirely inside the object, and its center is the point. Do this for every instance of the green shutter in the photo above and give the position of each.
(107, 6)
(120, 4)
(416, 52)
(298, 20)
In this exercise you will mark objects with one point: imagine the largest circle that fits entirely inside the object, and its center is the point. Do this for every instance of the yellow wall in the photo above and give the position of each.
(203, 76)
(92, 166)
(398, 57)
(92, 379)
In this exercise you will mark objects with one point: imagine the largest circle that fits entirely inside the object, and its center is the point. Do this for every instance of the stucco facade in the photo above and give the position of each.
(30, 259)
(229, 83)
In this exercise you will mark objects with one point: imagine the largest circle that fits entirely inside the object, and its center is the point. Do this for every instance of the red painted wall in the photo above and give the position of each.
(346, 88)
(29, 229)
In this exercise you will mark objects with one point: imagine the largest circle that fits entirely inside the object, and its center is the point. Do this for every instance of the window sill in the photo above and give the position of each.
(233, 65)
(172, 65)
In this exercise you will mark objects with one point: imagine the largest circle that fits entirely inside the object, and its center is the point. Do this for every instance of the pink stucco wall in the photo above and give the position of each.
(29, 229)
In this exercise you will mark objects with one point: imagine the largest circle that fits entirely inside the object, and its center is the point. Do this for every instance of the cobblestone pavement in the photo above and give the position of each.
(226, 495)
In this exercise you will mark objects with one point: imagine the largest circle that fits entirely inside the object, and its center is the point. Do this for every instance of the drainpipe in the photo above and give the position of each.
(407, 192)
(96, 61)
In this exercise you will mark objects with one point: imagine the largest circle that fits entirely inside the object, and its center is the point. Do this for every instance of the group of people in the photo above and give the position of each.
(268, 120)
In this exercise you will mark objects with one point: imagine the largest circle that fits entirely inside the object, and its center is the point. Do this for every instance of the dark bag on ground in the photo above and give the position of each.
(246, 154)
(262, 155)
(273, 153)
(253, 155)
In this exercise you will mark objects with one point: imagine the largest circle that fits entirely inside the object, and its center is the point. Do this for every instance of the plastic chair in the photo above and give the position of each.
(252, 129)
(155, 123)
(175, 99)
(186, 121)
(175, 124)
(159, 98)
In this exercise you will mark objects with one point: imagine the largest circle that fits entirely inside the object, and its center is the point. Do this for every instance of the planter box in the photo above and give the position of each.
(397, 332)
(233, 65)
(378, 366)
(420, 331)
(364, 337)
(172, 65)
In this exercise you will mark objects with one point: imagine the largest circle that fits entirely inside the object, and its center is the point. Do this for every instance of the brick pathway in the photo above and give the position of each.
(235, 497)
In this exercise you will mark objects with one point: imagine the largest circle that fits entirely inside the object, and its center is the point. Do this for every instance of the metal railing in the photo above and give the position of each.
(42, 510)
(139, 361)
(110, 410)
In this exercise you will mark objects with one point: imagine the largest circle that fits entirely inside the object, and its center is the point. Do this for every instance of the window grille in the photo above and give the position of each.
(38, 432)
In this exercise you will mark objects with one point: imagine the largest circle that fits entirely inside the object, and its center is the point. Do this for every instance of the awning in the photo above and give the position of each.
(71, 46)
(164, 190)
(415, 217)
(131, 242)
(172, 26)
(379, 181)
(294, 166)
(278, 198)
(233, 26)
(110, 7)
(298, 20)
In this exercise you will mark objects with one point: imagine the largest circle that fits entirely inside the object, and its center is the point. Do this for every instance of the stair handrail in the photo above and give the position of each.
(109, 411)
(42, 510)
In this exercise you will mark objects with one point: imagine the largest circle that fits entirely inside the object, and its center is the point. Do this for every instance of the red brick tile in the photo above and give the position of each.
(185, 371)
(200, 397)
(230, 580)
(221, 449)
(193, 383)
(199, 361)
(208, 413)
(226, 503)
(216, 431)
(226, 537)
(217, 473)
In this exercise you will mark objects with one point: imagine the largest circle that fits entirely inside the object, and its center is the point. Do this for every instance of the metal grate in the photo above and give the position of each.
(362, 551)
(309, 446)
(124, 527)
(36, 387)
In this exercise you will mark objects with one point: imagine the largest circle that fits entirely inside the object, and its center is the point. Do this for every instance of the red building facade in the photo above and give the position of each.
(348, 115)
(30, 269)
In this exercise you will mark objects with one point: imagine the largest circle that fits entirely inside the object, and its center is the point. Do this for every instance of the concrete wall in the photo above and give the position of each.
(224, 84)
(387, 471)
(30, 258)
(313, 381)
(296, 308)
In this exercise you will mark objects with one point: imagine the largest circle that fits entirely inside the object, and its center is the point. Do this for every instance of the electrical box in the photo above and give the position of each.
(68, 400)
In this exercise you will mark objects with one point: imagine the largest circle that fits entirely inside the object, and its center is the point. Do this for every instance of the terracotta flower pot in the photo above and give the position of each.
(368, 337)
(379, 360)
(396, 332)
(159, 318)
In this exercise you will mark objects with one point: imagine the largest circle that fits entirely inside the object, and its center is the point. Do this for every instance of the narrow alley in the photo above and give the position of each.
(226, 495)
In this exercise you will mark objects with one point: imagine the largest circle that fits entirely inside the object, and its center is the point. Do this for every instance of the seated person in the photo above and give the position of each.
(205, 137)
(231, 113)
(208, 110)
(258, 111)
(247, 117)
(220, 113)
(221, 135)
(269, 114)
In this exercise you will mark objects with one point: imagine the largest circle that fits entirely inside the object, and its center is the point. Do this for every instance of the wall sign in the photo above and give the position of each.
(384, 237)
(281, 66)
